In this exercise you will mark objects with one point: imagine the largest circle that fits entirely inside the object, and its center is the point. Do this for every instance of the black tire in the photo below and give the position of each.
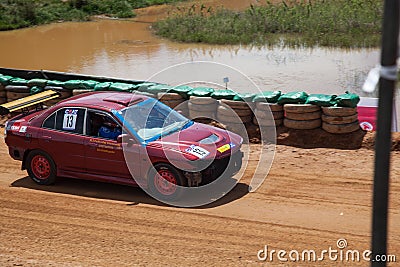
(41, 167)
(160, 187)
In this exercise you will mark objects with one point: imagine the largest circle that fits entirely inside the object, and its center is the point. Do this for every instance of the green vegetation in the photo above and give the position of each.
(337, 23)
(16, 14)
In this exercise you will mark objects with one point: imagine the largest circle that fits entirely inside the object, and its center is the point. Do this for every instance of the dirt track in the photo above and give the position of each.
(310, 199)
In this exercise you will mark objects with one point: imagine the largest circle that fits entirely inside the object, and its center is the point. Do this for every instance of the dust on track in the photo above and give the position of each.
(310, 199)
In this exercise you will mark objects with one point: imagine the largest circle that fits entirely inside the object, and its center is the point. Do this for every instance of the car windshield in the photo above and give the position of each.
(151, 119)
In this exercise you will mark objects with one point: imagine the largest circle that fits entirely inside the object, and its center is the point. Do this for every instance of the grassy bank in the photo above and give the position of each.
(16, 14)
(337, 23)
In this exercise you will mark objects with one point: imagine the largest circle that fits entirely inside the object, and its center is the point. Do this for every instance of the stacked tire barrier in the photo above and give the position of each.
(174, 101)
(263, 118)
(3, 96)
(294, 110)
(233, 114)
(202, 107)
(302, 116)
(64, 94)
(14, 92)
(340, 120)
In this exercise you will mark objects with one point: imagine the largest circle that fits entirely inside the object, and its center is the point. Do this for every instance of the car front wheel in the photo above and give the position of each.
(41, 168)
(166, 182)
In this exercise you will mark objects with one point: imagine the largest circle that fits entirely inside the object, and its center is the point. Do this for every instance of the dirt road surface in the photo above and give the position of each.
(310, 199)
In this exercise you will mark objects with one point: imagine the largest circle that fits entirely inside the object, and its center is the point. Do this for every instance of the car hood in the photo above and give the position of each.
(199, 141)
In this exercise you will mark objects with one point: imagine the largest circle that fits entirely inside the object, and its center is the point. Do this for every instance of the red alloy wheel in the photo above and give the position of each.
(165, 182)
(40, 166)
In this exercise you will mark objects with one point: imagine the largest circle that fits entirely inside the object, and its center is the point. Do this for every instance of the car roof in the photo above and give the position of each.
(105, 100)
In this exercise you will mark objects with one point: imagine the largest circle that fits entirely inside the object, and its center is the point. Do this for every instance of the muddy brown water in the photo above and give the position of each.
(128, 49)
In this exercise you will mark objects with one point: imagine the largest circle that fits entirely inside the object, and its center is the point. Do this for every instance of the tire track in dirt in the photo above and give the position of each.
(310, 199)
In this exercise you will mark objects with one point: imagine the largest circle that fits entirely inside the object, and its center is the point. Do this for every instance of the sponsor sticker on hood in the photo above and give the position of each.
(197, 151)
(225, 147)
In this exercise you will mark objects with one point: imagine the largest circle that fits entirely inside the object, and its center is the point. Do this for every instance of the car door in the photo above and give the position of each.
(62, 138)
(104, 155)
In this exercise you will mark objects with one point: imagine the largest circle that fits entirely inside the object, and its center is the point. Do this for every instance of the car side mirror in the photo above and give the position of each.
(125, 138)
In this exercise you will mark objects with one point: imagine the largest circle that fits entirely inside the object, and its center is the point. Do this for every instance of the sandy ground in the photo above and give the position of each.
(310, 199)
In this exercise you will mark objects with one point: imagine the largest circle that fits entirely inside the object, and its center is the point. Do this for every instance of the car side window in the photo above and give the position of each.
(102, 125)
(70, 120)
(50, 122)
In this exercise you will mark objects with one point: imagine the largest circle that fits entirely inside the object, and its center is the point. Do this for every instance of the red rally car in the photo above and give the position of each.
(121, 138)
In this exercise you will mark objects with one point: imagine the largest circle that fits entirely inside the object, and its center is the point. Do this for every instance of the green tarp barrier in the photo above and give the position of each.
(143, 87)
(182, 90)
(159, 88)
(321, 100)
(5, 79)
(293, 98)
(37, 82)
(246, 97)
(121, 87)
(55, 83)
(17, 81)
(35, 90)
(102, 86)
(347, 100)
(79, 84)
(201, 91)
(269, 96)
(223, 94)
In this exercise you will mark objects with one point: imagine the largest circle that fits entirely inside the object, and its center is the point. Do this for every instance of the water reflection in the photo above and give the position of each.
(127, 49)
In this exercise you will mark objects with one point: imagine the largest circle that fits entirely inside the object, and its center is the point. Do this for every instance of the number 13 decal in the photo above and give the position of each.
(70, 116)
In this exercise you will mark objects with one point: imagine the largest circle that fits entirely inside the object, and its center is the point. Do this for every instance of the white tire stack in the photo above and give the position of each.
(263, 118)
(340, 120)
(3, 95)
(234, 115)
(202, 107)
(14, 92)
(174, 101)
(64, 94)
(302, 116)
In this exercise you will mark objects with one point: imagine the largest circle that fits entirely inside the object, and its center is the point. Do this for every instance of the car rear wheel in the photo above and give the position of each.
(41, 168)
(165, 181)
